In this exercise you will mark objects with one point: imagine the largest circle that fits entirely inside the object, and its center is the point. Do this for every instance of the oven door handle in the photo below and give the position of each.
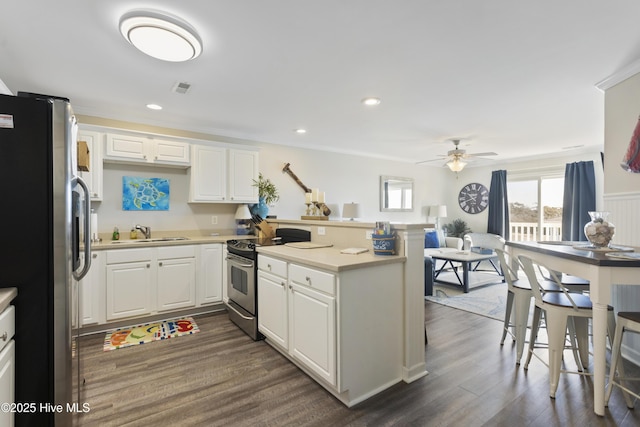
(238, 260)
(238, 313)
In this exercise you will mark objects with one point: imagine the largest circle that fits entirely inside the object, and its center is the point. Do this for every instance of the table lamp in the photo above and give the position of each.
(351, 210)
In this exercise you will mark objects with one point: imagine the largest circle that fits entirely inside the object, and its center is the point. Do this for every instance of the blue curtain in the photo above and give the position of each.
(579, 198)
(498, 221)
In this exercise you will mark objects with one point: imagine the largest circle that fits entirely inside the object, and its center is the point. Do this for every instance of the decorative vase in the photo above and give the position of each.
(261, 208)
(599, 231)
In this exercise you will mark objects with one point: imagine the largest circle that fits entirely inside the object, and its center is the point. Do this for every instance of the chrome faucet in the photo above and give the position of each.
(145, 230)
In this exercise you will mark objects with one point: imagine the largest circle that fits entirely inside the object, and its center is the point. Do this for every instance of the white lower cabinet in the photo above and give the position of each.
(145, 281)
(343, 328)
(92, 292)
(176, 286)
(129, 278)
(312, 318)
(7, 364)
(297, 311)
(210, 274)
(273, 321)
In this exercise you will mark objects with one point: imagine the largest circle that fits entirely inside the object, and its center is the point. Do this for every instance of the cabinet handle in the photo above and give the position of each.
(155, 158)
(144, 157)
(269, 267)
(94, 256)
(148, 265)
(283, 284)
(160, 264)
(308, 279)
(5, 336)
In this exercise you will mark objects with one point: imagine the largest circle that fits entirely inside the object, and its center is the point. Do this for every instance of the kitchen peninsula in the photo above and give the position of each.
(354, 323)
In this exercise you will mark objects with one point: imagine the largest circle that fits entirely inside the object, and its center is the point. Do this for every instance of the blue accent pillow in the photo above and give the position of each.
(431, 239)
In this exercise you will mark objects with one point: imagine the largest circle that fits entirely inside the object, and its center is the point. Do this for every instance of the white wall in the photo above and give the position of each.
(344, 178)
(482, 175)
(622, 189)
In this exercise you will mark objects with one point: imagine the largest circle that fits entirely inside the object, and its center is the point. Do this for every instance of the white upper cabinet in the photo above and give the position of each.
(208, 174)
(146, 150)
(93, 177)
(220, 174)
(243, 169)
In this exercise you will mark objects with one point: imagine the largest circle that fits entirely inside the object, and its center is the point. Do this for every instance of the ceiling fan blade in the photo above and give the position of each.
(428, 161)
(482, 154)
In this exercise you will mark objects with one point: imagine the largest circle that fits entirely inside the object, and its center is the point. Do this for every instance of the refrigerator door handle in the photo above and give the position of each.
(87, 228)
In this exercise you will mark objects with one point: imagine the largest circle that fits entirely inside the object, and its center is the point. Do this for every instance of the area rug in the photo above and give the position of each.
(489, 300)
(155, 331)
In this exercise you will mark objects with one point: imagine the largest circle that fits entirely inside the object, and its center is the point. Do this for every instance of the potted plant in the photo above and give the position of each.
(457, 228)
(267, 195)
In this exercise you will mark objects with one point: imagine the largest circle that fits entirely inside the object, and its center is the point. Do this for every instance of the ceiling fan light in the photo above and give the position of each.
(456, 165)
(160, 35)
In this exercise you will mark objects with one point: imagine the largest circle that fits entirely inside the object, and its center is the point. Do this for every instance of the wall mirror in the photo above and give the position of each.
(396, 194)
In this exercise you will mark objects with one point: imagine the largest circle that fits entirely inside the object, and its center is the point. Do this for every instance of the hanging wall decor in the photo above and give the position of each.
(145, 194)
(631, 160)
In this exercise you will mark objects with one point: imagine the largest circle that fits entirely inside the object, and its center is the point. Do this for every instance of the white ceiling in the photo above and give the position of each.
(513, 77)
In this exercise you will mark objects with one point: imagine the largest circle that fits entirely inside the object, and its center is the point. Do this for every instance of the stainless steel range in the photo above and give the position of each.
(242, 272)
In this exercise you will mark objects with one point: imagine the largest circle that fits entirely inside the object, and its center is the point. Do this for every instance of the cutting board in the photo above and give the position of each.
(308, 245)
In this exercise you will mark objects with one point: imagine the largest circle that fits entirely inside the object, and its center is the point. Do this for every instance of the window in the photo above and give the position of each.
(529, 222)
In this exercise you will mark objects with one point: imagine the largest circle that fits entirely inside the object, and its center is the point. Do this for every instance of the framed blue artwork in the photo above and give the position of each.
(145, 194)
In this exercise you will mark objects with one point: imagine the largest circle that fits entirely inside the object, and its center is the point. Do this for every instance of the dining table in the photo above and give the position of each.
(603, 267)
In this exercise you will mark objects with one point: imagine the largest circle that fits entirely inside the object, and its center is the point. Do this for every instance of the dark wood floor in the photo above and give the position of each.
(220, 377)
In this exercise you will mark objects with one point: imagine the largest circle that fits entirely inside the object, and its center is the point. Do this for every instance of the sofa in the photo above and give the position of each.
(435, 242)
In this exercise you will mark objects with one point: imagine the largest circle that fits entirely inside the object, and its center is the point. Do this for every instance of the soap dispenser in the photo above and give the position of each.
(116, 234)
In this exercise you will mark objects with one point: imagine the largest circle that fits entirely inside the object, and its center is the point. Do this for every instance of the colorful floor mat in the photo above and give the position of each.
(154, 331)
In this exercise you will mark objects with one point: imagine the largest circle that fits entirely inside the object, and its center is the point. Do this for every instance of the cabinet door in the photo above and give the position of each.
(92, 292)
(93, 177)
(128, 287)
(125, 148)
(176, 283)
(171, 153)
(209, 282)
(272, 306)
(243, 169)
(7, 381)
(312, 330)
(208, 174)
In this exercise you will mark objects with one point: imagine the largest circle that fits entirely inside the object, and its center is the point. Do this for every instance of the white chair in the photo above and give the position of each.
(627, 321)
(519, 296)
(560, 308)
(484, 240)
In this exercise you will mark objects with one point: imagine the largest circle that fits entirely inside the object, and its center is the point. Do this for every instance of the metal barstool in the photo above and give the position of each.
(627, 321)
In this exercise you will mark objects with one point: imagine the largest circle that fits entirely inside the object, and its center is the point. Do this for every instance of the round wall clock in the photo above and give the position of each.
(473, 198)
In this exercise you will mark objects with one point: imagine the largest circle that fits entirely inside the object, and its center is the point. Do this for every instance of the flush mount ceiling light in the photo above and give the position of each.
(161, 35)
(300, 131)
(154, 107)
(371, 101)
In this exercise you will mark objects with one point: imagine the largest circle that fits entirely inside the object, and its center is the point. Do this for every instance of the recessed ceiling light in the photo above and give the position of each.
(300, 131)
(154, 107)
(161, 35)
(371, 101)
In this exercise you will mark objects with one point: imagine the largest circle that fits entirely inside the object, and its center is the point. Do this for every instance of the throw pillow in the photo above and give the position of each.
(431, 240)
(441, 239)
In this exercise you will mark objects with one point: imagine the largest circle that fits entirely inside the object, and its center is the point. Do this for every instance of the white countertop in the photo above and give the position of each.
(6, 296)
(329, 258)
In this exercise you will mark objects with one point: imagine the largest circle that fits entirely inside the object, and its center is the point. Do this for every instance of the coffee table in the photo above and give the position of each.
(466, 258)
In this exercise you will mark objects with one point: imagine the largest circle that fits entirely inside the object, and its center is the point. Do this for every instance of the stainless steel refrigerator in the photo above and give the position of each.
(44, 227)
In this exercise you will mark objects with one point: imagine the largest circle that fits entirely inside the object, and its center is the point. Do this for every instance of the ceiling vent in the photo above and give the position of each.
(181, 87)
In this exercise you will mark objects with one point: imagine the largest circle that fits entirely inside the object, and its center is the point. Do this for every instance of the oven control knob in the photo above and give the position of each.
(252, 246)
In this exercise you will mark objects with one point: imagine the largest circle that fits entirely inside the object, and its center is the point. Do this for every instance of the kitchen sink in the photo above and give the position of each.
(157, 239)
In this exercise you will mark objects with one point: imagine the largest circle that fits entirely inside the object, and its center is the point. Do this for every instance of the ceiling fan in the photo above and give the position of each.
(456, 156)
